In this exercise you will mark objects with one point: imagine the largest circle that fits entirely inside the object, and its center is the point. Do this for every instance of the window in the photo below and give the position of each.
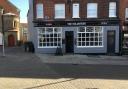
(126, 13)
(39, 11)
(125, 41)
(75, 10)
(59, 10)
(15, 24)
(112, 9)
(49, 37)
(92, 10)
(90, 36)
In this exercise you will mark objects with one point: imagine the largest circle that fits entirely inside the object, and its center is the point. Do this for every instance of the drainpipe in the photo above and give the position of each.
(3, 47)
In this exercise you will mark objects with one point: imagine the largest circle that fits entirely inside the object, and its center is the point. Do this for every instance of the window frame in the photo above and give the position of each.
(85, 32)
(126, 13)
(114, 13)
(73, 10)
(94, 9)
(40, 13)
(55, 11)
(53, 32)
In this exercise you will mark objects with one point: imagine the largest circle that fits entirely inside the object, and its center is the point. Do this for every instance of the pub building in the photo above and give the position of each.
(76, 26)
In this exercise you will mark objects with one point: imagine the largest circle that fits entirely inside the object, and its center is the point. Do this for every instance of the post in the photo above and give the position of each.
(3, 47)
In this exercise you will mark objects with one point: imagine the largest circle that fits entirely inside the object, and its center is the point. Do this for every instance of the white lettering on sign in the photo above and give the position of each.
(104, 23)
(76, 23)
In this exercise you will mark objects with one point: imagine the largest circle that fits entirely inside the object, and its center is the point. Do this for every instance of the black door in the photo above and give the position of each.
(111, 42)
(69, 36)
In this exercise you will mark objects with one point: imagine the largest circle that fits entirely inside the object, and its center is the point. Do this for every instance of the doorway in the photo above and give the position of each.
(11, 40)
(69, 41)
(111, 42)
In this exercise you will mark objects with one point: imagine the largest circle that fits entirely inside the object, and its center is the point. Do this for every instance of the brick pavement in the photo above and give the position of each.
(19, 70)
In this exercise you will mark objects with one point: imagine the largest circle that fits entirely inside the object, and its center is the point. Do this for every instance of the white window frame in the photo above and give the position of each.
(112, 9)
(85, 46)
(39, 10)
(59, 11)
(92, 12)
(126, 13)
(75, 10)
(58, 33)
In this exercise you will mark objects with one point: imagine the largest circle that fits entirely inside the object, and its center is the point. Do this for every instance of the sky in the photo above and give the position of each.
(23, 6)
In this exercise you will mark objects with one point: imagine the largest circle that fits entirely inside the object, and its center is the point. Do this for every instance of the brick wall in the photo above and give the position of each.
(123, 5)
(103, 8)
(8, 7)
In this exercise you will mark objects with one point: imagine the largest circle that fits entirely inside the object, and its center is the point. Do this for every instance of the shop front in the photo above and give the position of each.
(97, 36)
(125, 39)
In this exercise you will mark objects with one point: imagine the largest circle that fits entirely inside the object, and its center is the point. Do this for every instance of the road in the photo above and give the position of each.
(20, 70)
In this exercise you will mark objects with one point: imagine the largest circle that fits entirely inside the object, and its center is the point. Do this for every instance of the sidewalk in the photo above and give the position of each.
(22, 70)
(84, 59)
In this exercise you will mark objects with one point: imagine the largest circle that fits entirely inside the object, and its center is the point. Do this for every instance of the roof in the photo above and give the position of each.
(10, 14)
(9, 7)
(13, 5)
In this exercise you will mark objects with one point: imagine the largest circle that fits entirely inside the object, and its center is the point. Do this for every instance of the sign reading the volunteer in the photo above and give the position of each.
(1, 41)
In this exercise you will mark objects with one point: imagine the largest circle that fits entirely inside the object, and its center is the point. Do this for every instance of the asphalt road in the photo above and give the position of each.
(91, 71)
(17, 63)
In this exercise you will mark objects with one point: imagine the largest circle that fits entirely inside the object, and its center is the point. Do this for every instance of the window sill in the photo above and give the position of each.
(92, 17)
(40, 18)
(112, 16)
(76, 17)
(59, 18)
(90, 46)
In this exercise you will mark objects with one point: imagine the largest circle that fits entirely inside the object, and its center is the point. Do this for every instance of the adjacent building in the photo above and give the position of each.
(10, 22)
(124, 23)
(77, 26)
(23, 32)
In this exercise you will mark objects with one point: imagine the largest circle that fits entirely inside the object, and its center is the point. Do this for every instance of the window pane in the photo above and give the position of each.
(126, 13)
(98, 29)
(60, 11)
(49, 30)
(112, 9)
(79, 43)
(87, 34)
(81, 29)
(83, 35)
(79, 34)
(83, 39)
(89, 29)
(44, 44)
(91, 10)
(75, 10)
(39, 11)
(83, 43)
(87, 43)
(57, 29)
